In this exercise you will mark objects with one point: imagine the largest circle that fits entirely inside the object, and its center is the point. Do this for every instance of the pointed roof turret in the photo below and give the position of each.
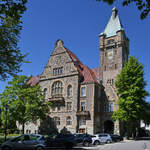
(114, 24)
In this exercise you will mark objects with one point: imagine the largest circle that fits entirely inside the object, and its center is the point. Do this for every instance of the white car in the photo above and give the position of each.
(96, 140)
(105, 137)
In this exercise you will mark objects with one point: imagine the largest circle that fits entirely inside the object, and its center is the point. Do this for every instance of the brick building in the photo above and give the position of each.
(84, 99)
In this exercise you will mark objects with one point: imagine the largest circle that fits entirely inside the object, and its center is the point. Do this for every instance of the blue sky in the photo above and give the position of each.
(78, 23)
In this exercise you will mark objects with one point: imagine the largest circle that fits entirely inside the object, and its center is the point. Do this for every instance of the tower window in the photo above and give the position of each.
(110, 41)
(115, 66)
(105, 68)
(110, 107)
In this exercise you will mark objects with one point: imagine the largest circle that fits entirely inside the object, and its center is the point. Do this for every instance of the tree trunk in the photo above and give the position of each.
(23, 126)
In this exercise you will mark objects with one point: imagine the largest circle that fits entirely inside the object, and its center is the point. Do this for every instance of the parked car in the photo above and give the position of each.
(60, 141)
(105, 137)
(25, 142)
(96, 139)
(116, 138)
(83, 139)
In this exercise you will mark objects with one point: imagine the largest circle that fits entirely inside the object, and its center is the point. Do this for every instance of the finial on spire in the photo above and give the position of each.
(114, 12)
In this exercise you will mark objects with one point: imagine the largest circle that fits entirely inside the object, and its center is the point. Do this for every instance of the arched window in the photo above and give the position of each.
(69, 91)
(56, 121)
(45, 92)
(57, 89)
(68, 121)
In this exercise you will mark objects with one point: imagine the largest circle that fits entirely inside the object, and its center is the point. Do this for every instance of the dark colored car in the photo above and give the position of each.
(25, 142)
(84, 139)
(116, 138)
(60, 141)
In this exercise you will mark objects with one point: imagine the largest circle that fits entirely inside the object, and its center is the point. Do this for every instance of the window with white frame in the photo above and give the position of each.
(57, 89)
(83, 91)
(68, 121)
(69, 91)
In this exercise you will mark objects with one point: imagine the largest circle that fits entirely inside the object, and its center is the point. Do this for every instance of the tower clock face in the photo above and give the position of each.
(110, 55)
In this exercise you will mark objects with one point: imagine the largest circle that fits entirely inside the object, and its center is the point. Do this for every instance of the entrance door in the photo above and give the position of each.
(108, 126)
(82, 130)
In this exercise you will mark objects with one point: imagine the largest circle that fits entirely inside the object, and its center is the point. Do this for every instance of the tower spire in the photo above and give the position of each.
(113, 25)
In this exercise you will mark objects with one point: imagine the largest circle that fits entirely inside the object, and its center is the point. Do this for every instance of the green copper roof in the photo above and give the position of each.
(114, 24)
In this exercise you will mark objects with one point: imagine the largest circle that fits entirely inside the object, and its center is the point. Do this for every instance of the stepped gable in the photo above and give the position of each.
(34, 80)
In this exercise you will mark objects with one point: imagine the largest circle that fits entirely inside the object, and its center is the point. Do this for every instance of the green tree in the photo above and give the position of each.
(130, 86)
(25, 103)
(10, 26)
(142, 5)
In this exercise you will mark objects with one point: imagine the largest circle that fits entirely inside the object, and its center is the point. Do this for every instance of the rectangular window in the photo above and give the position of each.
(69, 106)
(83, 106)
(110, 107)
(82, 121)
(110, 41)
(83, 91)
(57, 71)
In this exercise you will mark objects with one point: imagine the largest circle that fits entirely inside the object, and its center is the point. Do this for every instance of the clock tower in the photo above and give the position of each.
(114, 51)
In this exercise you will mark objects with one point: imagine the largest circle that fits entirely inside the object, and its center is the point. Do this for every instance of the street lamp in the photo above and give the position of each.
(6, 109)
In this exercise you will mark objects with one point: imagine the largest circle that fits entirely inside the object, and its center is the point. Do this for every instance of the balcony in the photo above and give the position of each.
(57, 98)
(83, 113)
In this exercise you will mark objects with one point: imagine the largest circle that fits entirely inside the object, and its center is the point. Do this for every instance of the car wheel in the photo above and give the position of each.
(85, 143)
(108, 141)
(96, 143)
(39, 148)
(6, 148)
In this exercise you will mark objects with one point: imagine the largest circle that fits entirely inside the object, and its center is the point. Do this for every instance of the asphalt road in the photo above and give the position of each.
(125, 145)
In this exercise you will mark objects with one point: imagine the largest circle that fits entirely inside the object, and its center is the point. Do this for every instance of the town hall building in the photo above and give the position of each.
(84, 99)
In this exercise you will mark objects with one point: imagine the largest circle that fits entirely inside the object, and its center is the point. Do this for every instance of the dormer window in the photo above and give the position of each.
(57, 71)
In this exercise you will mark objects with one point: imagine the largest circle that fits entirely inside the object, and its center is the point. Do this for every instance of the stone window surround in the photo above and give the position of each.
(56, 120)
(57, 71)
(68, 121)
(69, 107)
(69, 85)
(53, 93)
(84, 109)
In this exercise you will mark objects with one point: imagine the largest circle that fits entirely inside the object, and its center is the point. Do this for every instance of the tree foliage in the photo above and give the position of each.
(130, 86)
(142, 5)
(25, 102)
(10, 25)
